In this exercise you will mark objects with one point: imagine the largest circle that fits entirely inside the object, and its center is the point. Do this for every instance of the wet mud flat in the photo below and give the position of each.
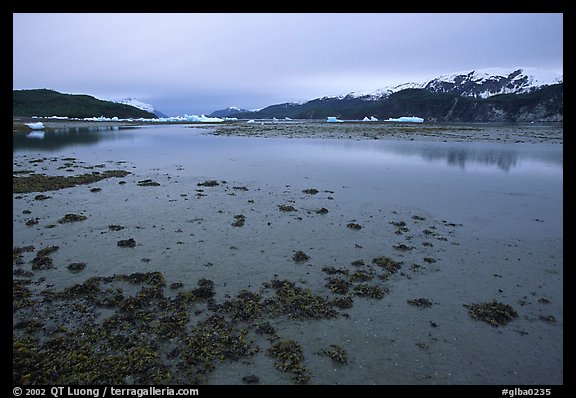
(127, 275)
(453, 132)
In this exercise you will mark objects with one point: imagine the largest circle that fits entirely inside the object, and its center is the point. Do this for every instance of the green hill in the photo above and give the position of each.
(43, 102)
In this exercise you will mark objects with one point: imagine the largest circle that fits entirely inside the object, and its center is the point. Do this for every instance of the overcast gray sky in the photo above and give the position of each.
(197, 63)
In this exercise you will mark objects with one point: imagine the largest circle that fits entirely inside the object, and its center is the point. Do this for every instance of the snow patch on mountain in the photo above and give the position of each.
(137, 104)
(141, 105)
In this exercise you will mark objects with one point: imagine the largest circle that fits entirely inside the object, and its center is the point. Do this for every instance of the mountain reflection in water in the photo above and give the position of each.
(181, 144)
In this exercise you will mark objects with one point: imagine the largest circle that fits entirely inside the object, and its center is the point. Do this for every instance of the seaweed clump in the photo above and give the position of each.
(494, 313)
(371, 291)
(338, 285)
(247, 306)
(76, 267)
(17, 253)
(239, 220)
(43, 183)
(127, 243)
(300, 257)
(208, 183)
(298, 303)
(288, 357)
(387, 263)
(335, 353)
(42, 260)
(420, 302)
(148, 183)
(72, 218)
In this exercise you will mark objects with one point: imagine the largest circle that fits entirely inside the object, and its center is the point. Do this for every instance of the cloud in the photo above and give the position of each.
(186, 60)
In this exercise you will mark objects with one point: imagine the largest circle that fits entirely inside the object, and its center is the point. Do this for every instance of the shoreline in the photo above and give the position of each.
(551, 133)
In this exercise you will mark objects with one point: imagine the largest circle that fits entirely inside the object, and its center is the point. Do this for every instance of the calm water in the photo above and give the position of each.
(497, 187)
(506, 244)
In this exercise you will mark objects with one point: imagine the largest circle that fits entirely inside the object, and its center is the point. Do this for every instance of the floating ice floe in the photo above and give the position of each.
(36, 125)
(251, 121)
(372, 119)
(409, 119)
(333, 119)
(185, 118)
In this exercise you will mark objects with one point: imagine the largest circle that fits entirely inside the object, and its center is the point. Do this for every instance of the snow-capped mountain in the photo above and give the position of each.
(227, 112)
(484, 83)
(141, 105)
(479, 83)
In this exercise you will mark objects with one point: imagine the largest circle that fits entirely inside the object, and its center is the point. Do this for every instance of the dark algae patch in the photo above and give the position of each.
(298, 303)
(41, 197)
(43, 183)
(288, 357)
(115, 227)
(370, 291)
(42, 260)
(76, 267)
(286, 208)
(387, 263)
(338, 285)
(335, 353)
(149, 337)
(72, 218)
(148, 183)
(127, 243)
(208, 183)
(17, 253)
(494, 313)
(239, 220)
(420, 302)
(300, 257)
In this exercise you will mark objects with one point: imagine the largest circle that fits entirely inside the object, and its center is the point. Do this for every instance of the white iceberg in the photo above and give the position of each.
(203, 119)
(185, 118)
(35, 126)
(406, 119)
(372, 119)
(333, 119)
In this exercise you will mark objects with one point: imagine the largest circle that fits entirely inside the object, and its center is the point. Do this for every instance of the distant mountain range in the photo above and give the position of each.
(495, 94)
(44, 102)
(231, 110)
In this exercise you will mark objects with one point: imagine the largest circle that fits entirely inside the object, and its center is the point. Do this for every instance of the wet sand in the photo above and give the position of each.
(199, 279)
